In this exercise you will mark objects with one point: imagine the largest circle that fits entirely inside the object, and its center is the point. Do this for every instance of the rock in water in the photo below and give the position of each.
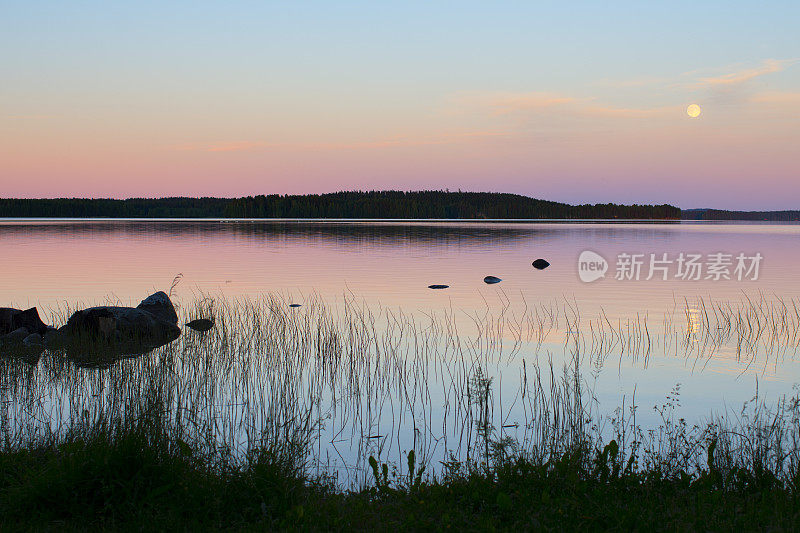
(491, 279)
(159, 304)
(201, 324)
(12, 319)
(52, 339)
(21, 344)
(100, 335)
(540, 264)
(438, 286)
(295, 305)
(34, 339)
(119, 324)
(15, 337)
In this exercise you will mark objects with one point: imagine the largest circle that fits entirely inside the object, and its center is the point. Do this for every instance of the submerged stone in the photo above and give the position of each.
(540, 264)
(34, 339)
(201, 324)
(438, 286)
(491, 279)
(23, 345)
(295, 305)
(53, 339)
(15, 337)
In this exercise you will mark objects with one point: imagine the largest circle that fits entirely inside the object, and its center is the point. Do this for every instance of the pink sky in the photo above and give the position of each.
(165, 110)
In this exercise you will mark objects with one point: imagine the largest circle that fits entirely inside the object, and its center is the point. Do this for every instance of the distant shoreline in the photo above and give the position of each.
(369, 206)
(340, 205)
(744, 216)
(423, 221)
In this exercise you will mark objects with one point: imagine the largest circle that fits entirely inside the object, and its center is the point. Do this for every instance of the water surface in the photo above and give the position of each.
(634, 337)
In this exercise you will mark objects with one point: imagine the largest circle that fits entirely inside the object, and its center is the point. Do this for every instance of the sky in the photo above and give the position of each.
(580, 102)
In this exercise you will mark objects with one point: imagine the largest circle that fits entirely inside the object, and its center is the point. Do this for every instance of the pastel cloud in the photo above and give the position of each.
(506, 103)
(431, 140)
(626, 112)
(777, 98)
(510, 102)
(738, 77)
(239, 146)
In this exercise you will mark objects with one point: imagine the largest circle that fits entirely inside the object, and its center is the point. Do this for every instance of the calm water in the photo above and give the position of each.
(390, 264)
(48, 262)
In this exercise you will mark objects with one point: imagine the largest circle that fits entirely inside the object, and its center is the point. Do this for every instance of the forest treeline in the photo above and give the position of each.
(353, 204)
(719, 214)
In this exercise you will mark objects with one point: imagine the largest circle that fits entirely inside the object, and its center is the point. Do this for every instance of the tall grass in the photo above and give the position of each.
(327, 386)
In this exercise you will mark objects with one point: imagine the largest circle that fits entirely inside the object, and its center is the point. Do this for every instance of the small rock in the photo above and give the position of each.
(34, 339)
(16, 336)
(52, 339)
(540, 264)
(438, 286)
(201, 324)
(491, 279)
(295, 305)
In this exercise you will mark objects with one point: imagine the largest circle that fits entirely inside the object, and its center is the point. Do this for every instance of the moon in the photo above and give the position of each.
(693, 110)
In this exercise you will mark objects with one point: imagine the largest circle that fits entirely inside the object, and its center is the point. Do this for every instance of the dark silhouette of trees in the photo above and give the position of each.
(718, 214)
(351, 204)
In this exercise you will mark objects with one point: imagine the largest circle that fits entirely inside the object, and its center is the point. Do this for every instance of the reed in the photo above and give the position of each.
(326, 386)
(350, 409)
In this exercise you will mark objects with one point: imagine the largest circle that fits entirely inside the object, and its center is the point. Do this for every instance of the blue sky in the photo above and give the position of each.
(146, 99)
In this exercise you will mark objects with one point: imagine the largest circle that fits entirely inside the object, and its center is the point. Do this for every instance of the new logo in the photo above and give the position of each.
(591, 266)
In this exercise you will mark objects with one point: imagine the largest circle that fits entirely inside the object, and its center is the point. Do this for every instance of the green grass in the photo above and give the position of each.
(140, 480)
(226, 430)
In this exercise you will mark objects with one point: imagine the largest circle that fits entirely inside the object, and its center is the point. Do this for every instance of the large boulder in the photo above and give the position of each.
(102, 334)
(160, 305)
(12, 319)
(118, 324)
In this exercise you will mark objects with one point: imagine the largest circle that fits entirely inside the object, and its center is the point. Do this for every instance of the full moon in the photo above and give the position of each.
(693, 110)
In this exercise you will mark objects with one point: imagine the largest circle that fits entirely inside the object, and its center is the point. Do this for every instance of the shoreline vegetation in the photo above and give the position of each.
(413, 205)
(721, 214)
(221, 429)
(354, 204)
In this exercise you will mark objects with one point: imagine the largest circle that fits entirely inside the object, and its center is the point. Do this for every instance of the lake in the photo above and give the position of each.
(705, 311)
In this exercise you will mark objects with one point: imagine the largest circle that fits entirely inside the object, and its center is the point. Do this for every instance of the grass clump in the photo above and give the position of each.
(325, 418)
(138, 480)
(138, 476)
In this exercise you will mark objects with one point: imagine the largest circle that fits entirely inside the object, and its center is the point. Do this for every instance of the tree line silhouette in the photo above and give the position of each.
(350, 204)
(719, 214)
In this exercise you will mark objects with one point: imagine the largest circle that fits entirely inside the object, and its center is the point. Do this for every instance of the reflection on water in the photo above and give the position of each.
(355, 380)
(715, 338)
(693, 323)
(53, 262)
(99, 353)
